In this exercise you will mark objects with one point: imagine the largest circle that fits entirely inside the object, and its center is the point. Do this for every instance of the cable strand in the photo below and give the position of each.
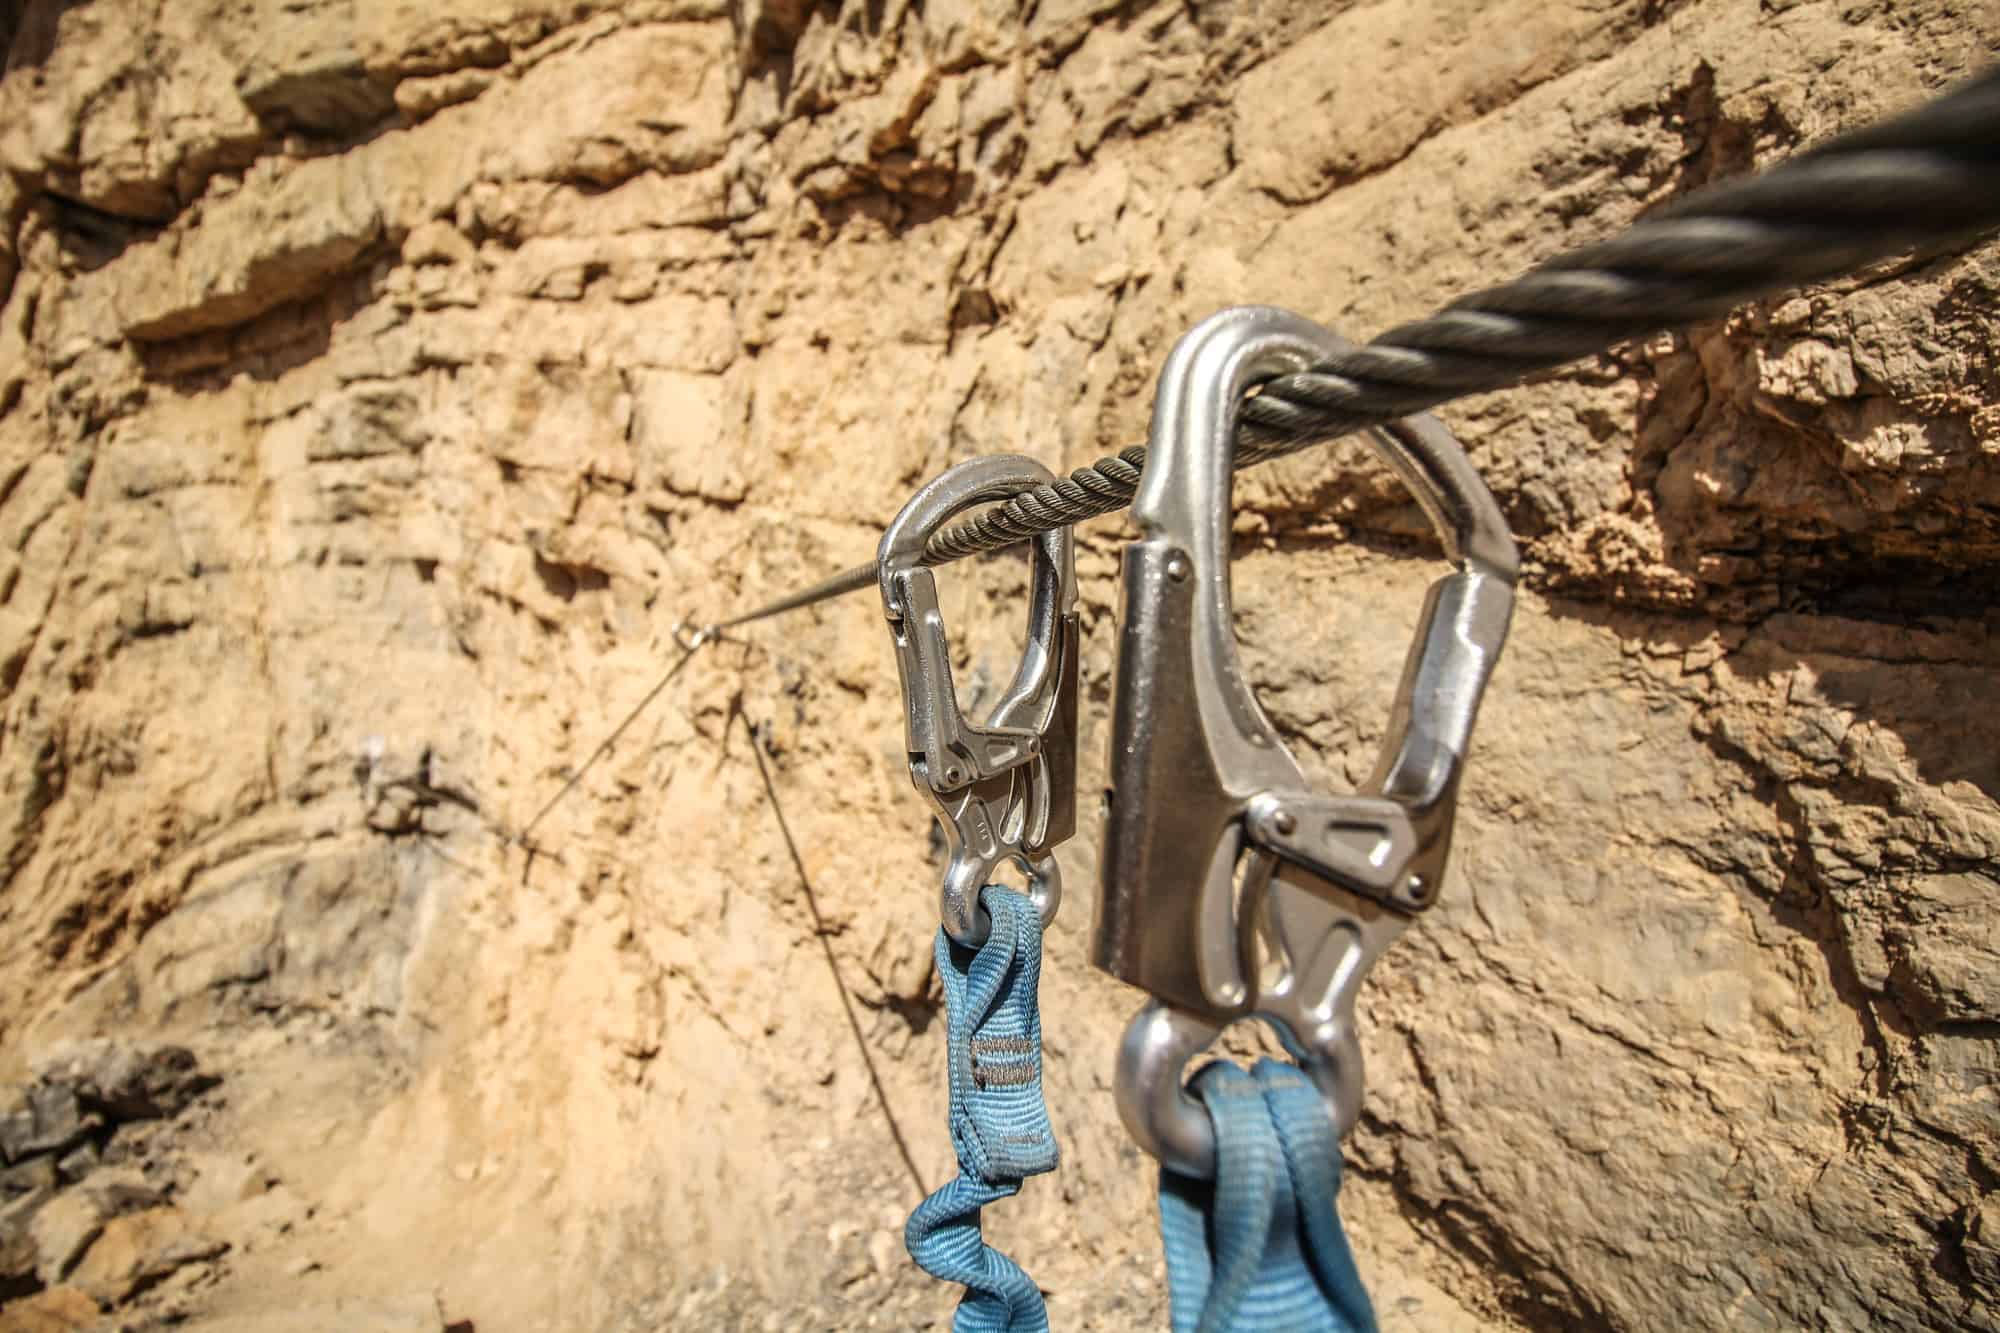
(1930, 177)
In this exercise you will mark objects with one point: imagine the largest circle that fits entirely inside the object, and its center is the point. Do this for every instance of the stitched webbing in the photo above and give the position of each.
(999, 1123)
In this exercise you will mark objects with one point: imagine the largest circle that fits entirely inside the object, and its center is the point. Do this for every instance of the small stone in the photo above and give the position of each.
(65, 1227)
(326, 92)
(17, 1241)
(121, 1190)
(56, 1310)
(222, 1180)
(63, 1230)
(434, 242)
(37, 1173)
(1982, 1242)
(125, 1081)
(417, 98)
(274, 1211)
(138, 1250)
(79, 1162)
(885, 1251)
(47, 1119)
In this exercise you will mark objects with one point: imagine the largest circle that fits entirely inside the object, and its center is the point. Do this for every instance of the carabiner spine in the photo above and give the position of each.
(1157, 909)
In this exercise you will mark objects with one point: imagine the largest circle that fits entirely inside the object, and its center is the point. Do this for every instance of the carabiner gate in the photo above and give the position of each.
(1006, 790)
(1212, 838)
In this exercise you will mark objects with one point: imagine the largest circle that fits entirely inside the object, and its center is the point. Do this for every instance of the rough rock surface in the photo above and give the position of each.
(380, 383)
(93, 1147)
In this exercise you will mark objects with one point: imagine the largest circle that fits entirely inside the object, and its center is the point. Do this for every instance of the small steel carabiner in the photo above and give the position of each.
(1006, 790)
(1212, 838)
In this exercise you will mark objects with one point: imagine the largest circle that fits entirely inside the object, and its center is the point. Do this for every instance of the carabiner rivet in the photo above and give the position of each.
(1177, 567)
(954, 776)
(1418, 888)
(1285, 822)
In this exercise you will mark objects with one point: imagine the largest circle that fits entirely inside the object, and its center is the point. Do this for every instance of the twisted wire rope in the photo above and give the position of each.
(1928, 177)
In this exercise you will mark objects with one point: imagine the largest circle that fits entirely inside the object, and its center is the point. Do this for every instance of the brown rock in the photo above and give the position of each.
(56, 1310)
(139, 1249)
(45, 1118)
(28, 1177)
(378, 389)
(65, 1228)
(125, 1080)
(303, 76)
(19, 1254)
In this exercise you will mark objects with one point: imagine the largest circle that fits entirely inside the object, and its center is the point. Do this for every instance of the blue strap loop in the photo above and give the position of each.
(999, 1122)
(1260, 1246)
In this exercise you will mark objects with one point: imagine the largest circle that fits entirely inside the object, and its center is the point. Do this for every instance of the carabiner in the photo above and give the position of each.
(1212, 837)
(1007, 790)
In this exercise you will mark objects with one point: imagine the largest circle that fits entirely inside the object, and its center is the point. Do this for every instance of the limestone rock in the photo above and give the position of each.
(124, 1080)
(380, 385)
(28, 1177)
(137, 1250)
(20, 1255)
(65, 1228)
(62, 1231)
(55, 1310)
(298, 68)
(45, 1118)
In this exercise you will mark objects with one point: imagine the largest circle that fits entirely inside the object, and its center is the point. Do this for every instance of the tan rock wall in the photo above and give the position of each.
(380, 383)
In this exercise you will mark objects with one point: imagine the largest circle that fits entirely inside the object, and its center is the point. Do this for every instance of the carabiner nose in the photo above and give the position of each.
(1213, 841)
(1005, 791)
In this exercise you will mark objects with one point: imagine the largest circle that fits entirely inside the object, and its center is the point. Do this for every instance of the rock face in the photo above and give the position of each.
(89, 1152)
(380, 384)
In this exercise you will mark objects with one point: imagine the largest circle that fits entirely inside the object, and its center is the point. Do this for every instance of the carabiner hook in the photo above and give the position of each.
(1212, 837)
(1007, 790)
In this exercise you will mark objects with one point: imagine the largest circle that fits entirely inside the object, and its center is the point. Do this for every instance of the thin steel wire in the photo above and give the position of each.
(825, 938)
(604, 747)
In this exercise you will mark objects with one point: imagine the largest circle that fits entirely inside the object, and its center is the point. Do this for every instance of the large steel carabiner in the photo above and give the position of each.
(1213, 841)
(1005, 790)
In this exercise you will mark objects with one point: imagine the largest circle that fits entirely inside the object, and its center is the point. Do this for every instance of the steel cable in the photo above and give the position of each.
(1930, 176)
(1926, 178)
